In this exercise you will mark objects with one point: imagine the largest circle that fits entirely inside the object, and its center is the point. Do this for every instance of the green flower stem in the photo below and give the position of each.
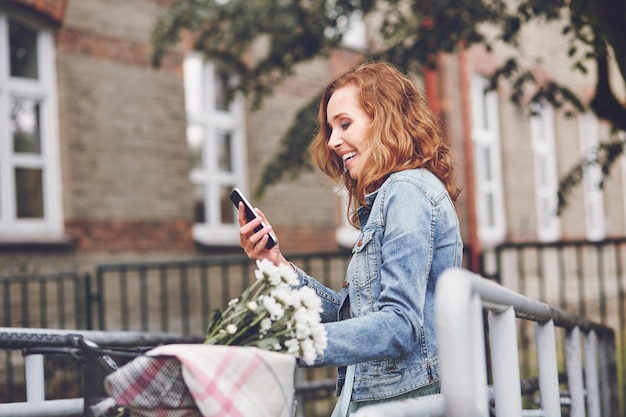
(239, 315)
(257, 319)
(251, 325)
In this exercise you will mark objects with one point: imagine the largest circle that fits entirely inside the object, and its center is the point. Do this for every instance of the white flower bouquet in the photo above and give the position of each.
(272, 314)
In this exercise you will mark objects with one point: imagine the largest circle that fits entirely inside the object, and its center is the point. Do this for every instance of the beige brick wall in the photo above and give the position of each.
(122, 131)
(124, 156)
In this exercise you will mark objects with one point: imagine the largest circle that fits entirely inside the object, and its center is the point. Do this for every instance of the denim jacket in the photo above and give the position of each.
(407, 239)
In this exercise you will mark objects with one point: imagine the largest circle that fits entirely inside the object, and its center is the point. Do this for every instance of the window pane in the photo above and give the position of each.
(225, 154)
(490, 210)
(226, 206)
(220, 85)
(485, 111)
(25, 126)
(29, 193)
(487, 159)
(23, 50)
(199, 212)
(483, 166)
(195, 138)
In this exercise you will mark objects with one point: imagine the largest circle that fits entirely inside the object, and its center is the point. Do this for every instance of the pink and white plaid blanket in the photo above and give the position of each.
(188, 380)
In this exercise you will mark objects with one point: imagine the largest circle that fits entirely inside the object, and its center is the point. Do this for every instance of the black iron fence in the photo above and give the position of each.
(585, 278)
(176, 296)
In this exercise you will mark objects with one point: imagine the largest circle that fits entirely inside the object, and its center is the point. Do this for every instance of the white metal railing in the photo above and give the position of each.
(461, 297)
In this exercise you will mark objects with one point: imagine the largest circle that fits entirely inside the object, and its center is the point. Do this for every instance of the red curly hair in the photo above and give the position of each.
(404, 133)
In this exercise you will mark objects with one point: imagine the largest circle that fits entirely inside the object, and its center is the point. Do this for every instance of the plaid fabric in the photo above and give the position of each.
(216, 381)
(152, 386)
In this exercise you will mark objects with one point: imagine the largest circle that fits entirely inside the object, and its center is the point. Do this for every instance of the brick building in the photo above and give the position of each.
(101, 168)
(104, 158)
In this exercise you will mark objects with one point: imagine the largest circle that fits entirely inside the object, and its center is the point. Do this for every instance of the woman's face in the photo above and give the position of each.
(348, 125)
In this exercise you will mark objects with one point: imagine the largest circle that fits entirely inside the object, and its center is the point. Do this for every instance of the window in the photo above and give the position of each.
(487, 163)
(546, 188)
(30, 198)
(216, 140)
(594, 204)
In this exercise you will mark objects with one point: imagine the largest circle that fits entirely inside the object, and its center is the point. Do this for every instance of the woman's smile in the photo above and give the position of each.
(349, 125)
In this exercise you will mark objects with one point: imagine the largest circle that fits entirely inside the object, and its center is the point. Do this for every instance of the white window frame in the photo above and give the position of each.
(546, 179)
(43, 90)
(589, 128)
(488, 174)
(199, 77)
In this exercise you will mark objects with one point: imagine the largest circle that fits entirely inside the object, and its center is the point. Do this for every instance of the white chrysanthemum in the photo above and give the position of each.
(310, 299)
(275, 298)
(288, 275)
(265, 265)
(320, 339)
(308, 351)
(303, 321)
(293, 346)
(267, 270)
(286, 296)
(275, 309)
(258, 274)
(266, 324)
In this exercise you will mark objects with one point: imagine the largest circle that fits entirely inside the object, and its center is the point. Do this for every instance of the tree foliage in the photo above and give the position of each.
(412, 33)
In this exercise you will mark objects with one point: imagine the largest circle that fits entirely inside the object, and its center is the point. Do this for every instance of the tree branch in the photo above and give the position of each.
(604, 102)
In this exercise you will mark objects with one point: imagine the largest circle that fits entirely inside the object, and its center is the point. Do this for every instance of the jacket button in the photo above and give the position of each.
(360, 242)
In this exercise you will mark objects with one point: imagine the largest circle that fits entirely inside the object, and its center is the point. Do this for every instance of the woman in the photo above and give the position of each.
(379, 138)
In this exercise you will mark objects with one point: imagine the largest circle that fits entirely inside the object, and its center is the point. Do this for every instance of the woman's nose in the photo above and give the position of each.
(334, 140)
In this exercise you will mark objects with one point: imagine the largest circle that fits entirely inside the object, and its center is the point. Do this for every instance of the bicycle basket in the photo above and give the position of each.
(127, 383)
(97, 363)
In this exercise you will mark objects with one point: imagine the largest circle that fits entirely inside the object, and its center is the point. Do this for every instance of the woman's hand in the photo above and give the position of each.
(253, 243)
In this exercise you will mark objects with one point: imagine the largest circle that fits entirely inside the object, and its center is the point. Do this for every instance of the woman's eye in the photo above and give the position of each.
(345, 125)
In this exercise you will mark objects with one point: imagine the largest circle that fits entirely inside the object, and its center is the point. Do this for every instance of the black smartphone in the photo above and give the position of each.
(237, 196)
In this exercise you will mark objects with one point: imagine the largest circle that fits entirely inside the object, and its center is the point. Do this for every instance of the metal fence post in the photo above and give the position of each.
(549, 375)
(88, 302)
(35, 381)
(575, 372)
(506, 373)
(591, 374)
